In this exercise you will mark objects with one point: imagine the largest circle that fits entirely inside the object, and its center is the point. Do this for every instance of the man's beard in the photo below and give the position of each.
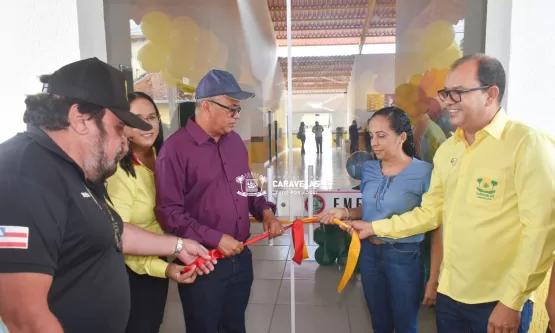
(97, 165)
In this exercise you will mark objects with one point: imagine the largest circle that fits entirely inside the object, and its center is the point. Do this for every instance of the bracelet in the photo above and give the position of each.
(348, 214)
(178, 248)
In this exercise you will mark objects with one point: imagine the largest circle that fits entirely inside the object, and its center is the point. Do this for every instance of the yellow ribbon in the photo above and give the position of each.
(352, 256)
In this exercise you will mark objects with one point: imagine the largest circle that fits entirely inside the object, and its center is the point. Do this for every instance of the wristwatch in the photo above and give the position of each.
(178, 248)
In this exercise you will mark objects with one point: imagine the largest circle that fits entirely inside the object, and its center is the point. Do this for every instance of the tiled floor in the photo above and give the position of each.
(319, 308)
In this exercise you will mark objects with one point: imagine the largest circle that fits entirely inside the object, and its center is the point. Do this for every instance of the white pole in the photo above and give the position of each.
(270, 179)
(290, 146)
(310, 203)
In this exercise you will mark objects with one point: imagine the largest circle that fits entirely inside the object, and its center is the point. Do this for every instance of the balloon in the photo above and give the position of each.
(152, 57)
(156, 27)
(169, 79)
(446, 58)
(184, 34)
(433, 80)
(415, 79)
(437, 37)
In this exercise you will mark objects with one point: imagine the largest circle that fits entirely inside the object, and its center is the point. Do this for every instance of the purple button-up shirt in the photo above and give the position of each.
(201, 187)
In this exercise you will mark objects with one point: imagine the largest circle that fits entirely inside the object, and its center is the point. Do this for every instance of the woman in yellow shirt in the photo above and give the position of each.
(133, 192)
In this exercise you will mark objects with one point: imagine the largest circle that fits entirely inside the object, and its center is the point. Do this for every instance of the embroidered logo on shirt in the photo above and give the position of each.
(252, 185)
(486, 188)
(453, 161)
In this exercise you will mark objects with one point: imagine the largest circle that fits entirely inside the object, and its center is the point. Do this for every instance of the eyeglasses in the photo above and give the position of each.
(152, 119)
(455, 94)
(232, 110)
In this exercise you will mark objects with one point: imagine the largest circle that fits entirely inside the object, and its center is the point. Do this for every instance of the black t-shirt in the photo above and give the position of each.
(69, 236)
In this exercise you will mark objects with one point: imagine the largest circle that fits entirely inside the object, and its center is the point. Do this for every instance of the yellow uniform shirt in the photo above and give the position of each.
(496, 199)
(134, 200)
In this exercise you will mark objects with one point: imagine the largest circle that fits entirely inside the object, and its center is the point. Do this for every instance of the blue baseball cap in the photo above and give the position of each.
(218, 82)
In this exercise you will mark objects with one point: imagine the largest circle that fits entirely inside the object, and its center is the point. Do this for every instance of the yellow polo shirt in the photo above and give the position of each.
(496, 199)
(134, 200)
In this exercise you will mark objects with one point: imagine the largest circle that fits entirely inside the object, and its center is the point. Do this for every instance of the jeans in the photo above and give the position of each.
(318, 144)
(393, 282)
(217, 302)
(456, 317)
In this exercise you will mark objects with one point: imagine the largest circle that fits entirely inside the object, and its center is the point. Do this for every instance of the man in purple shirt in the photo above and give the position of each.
(205, 191)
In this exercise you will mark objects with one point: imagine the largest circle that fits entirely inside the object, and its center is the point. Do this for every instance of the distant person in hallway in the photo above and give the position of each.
(133, 193)
(301, 135)
(367, 137)
(353, 136)
(202, 179)
(318, 130)
(492, 188)
(392, 270)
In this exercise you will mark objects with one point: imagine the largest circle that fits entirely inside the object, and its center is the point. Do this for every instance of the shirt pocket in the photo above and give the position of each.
(487, 188)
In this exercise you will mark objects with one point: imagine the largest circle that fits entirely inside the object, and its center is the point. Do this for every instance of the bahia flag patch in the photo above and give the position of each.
(14, 237)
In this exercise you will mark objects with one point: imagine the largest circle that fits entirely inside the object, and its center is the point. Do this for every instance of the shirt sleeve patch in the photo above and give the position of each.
(12, 237)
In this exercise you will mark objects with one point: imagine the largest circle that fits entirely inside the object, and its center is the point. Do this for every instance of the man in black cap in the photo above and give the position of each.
(205, 191)
(62, 246)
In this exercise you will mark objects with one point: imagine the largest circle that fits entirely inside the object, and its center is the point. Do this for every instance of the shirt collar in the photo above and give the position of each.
(495, 128)
(198, 134)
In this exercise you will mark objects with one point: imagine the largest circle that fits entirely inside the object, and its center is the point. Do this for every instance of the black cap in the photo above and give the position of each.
(217, 82)
(94, 81)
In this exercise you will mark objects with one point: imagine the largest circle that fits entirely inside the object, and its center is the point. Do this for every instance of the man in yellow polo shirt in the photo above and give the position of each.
(493, 188)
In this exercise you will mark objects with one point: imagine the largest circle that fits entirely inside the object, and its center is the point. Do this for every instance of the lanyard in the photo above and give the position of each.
(117, 235)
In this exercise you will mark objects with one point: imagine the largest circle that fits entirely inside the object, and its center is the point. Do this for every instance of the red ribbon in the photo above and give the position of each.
(216, 254)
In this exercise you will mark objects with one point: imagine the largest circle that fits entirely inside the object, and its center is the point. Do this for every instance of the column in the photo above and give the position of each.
(519, 33)
(475, 27)
(39, 37)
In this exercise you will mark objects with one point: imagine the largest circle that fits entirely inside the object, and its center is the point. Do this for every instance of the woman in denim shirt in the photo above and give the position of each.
(392, 271)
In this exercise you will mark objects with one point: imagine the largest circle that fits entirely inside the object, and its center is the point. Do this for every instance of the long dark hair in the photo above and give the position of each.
(399, 122)
(126, 162)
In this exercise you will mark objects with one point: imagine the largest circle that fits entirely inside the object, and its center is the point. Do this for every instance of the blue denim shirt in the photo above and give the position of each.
(385, 196)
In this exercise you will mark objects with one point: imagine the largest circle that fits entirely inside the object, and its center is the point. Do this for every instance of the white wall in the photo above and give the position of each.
(39, 37)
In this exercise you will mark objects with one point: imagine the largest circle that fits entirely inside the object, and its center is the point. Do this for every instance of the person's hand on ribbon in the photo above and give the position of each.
(273, 226)
(330, 214)
(229, 246)
(192, 250)
(363, 228)
(176, 273)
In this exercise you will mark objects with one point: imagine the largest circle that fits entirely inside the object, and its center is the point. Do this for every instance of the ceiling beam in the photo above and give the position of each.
(326, 29)
(367, 21)
(283, 9)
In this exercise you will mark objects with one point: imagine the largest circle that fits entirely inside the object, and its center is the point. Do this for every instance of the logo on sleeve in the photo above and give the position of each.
(12, 237)
(252, 184)
(486, 188)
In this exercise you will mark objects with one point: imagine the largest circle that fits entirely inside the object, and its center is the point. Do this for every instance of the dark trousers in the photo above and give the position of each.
(354, 145)
(216, 303)
(303, 139)
(392, 277)
(318, 144)
(456, 317)
(148, 301)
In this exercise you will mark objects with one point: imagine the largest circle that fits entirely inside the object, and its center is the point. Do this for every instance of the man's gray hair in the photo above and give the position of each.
(198, 104)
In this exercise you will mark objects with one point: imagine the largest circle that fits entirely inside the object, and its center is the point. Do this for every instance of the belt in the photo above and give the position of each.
(376, 241)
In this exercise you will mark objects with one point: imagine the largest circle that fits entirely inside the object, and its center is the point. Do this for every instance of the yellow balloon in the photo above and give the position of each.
(445, 59)
(169, 79)
(184, 30)
(438, 36)
(415, 79)
(152, 57)
(156, 27)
